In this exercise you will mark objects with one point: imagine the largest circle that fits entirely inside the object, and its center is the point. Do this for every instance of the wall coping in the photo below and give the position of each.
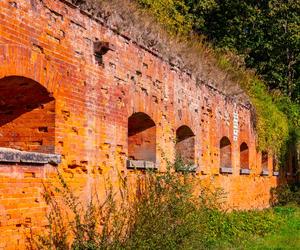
(8, 155)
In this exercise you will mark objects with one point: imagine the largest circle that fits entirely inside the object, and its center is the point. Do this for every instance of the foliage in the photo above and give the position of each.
(287, 237)
(265, 33)
(286, 194)
(164, 213)
(173, 14)
(271, 122)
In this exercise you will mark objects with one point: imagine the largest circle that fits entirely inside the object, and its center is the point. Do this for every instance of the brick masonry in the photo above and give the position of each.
(57, 98)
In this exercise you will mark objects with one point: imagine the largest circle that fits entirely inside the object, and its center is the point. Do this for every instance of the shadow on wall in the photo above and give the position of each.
(27, 115)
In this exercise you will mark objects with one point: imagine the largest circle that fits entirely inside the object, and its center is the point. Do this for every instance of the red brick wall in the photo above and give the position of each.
(51, 43)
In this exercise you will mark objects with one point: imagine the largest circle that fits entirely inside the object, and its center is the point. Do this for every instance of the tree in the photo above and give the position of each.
(266, 33)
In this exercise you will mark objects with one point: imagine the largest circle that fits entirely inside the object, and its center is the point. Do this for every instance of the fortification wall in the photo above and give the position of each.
(99, 111)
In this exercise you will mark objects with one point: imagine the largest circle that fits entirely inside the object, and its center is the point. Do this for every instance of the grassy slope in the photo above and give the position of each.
(288, 237)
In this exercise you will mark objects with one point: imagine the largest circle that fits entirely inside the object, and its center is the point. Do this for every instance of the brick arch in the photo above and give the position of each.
(144, 104)
(16, 60)
(35, 83)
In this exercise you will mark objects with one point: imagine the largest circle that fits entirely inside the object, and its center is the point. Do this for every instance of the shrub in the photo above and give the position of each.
(164, 213)
(285, 194)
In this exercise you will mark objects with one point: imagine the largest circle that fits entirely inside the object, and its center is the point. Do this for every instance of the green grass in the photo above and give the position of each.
(288, 235)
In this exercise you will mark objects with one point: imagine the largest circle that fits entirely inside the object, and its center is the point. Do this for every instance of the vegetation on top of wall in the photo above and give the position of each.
(266, 36)
(277, 121)
(166, 27)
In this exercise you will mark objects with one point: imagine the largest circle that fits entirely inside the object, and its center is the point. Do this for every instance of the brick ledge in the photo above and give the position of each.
(8, 155)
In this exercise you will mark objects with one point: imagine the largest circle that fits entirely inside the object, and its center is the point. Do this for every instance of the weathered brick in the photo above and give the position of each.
(56, 98)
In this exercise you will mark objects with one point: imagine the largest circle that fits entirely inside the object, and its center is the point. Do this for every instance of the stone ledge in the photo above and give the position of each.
(265, 173)
(226, 170)
(187, 169)
(16, 156)
(140, 164)
(245, 171)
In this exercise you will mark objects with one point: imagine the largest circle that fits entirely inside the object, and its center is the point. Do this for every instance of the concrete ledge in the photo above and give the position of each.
(226, 170)
(139, 164)
(275, 173)
(245, 171)
(187, 168)
(16, 156)
(265, 173)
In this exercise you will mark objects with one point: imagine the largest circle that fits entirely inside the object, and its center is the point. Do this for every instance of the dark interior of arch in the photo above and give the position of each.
(264, 160)
(185, 144)
(141, 137)
(225, 152)
(27, 115)
(244, 156)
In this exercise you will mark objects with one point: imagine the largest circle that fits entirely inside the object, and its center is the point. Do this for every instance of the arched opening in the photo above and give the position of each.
(141, 138)
(225, 153)
(27, 115)
(185, 145)
(264, 161)
(244, 156)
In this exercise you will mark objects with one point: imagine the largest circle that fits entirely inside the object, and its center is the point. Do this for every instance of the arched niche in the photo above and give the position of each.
(27, 115)
(185, 144)
(141, 137)
(244, 156)
(225, 153)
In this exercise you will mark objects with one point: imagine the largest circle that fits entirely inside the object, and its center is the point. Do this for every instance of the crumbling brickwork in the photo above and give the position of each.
(98, 111)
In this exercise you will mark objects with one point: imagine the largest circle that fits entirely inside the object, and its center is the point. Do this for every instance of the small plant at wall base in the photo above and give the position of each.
(161, 212)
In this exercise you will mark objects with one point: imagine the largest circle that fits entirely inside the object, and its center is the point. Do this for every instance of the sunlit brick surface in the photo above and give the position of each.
(80, 109)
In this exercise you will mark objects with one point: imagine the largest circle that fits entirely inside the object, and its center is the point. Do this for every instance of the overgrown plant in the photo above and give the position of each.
(286, 194)
(163, 211)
